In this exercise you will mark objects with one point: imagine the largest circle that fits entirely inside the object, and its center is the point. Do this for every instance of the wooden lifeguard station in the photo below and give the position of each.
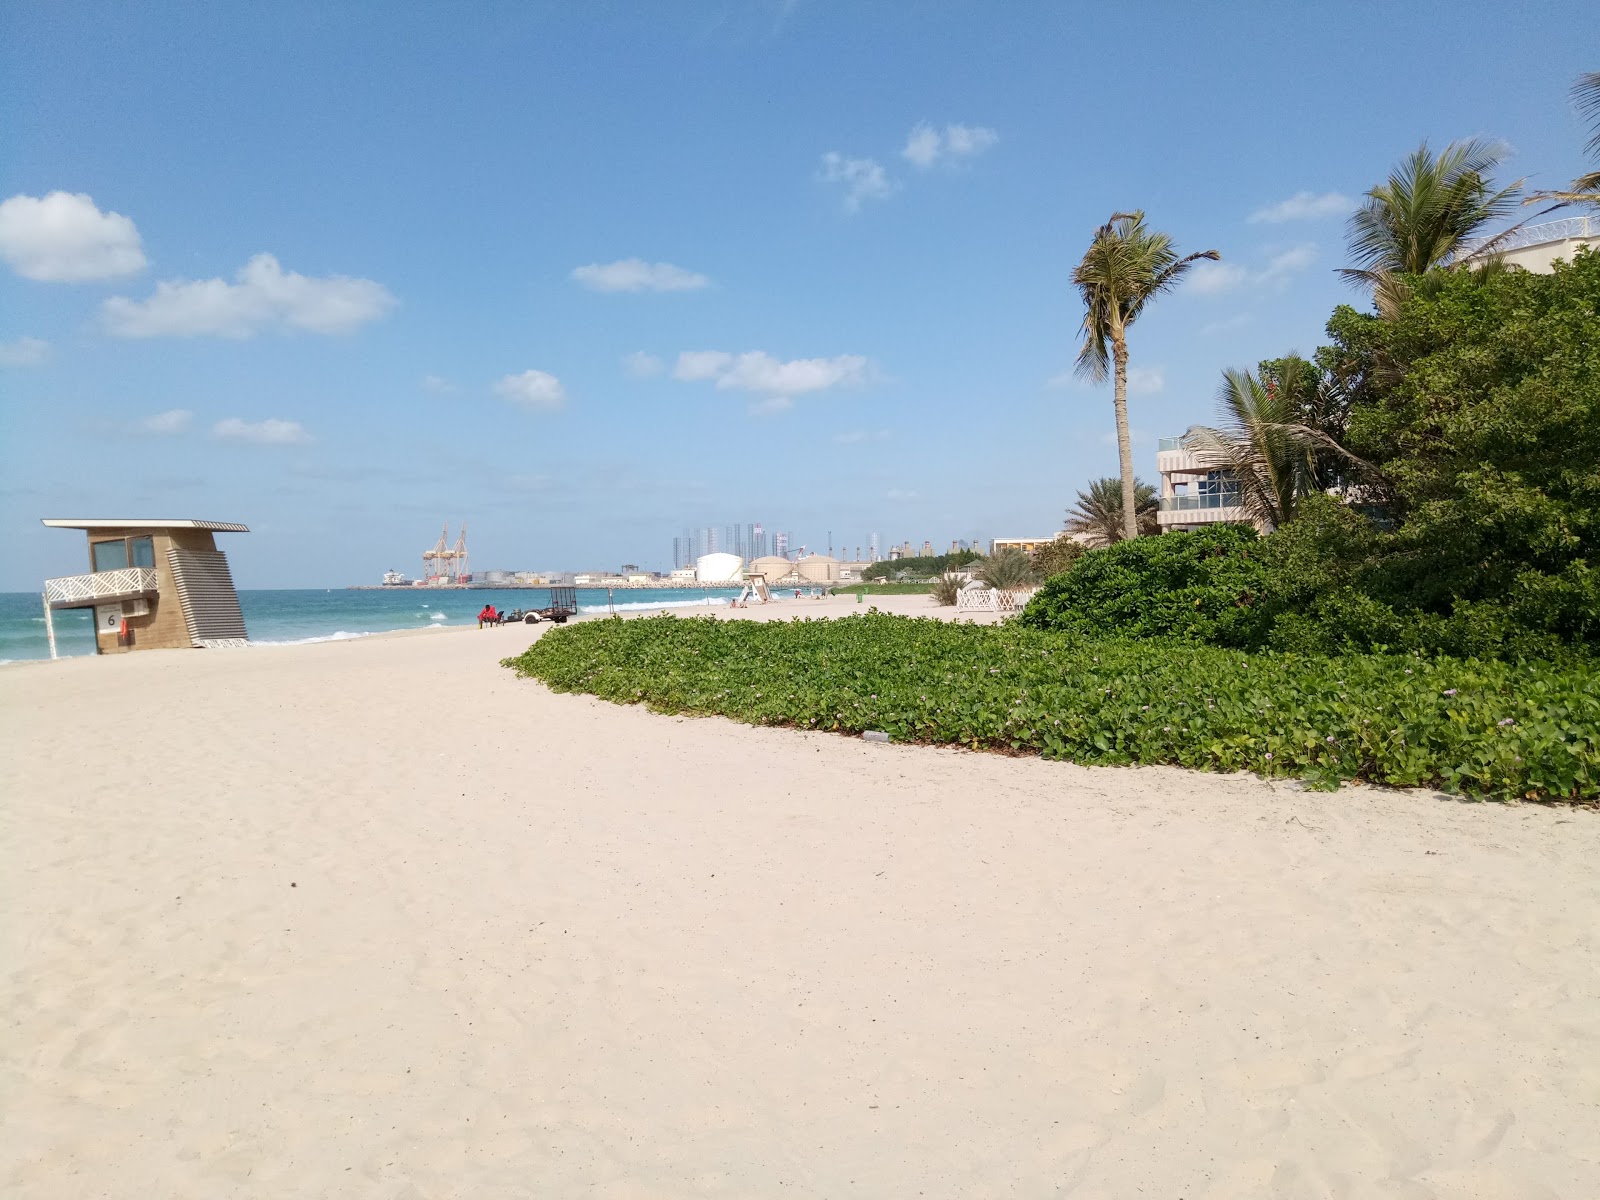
(153, 585)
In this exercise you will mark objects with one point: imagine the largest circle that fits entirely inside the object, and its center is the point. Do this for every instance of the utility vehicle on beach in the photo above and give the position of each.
(563, 604)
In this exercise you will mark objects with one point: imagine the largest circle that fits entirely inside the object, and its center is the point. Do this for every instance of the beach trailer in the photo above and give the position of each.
(153, 585)
(563, 604)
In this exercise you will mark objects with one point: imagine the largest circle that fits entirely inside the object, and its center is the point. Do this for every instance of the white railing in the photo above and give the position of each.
(1211, 500)
(101, 585)
(1534, 235)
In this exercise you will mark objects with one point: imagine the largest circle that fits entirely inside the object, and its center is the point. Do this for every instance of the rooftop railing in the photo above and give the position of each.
(121, 584)
(1170, 443)
(1535, 235)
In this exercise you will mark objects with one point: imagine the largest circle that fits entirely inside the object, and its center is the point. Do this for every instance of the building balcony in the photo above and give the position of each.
(100, 587)
(1200, 510)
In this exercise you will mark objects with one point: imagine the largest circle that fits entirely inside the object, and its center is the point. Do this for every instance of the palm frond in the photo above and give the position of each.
(1429, 211)
(1586, 97)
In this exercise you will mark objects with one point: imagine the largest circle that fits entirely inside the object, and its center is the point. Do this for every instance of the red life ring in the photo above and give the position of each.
(122, 630)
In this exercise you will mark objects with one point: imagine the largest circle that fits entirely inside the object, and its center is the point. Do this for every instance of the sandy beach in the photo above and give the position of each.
(377, 919)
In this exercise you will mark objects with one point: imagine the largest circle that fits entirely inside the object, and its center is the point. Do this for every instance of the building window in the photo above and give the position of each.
(142, 551)
(110, 556)
(1220, 488)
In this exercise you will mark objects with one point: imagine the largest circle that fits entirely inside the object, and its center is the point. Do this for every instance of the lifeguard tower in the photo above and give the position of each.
(153, 585)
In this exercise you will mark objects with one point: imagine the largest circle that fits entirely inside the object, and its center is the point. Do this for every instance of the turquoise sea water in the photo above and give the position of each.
(287, 617)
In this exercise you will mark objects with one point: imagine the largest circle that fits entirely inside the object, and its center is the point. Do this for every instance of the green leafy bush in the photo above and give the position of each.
(919, 567)
(1205, 586)
(1492, 729)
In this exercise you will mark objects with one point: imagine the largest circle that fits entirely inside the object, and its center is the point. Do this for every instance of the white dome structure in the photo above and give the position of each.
(719, 568)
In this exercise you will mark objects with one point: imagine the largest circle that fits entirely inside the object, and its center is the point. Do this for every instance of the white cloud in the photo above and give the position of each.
(771, 405)
(1226, 325)
(856, 436)
(758, 371)
(64, 238)
(927, 146)
(533, 390)
(1290, 262)
(265, 296)
(636, 275)
(640, 365)
(863, 178)
(1146, 381)
(174, 420)
(902, 494)
(270, 432)
(438, 385)
(24, 352)
(1213, 278)
(1303, 206)
(1210, 278)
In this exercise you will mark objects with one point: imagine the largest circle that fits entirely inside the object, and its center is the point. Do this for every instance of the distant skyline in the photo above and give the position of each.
(582, 276)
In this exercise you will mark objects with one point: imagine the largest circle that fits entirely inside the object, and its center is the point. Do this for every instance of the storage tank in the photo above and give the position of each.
(719, 568)
(819, 568)
(771, 567)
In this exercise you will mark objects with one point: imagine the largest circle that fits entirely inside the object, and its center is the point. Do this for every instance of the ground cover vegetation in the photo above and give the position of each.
(1482, 728)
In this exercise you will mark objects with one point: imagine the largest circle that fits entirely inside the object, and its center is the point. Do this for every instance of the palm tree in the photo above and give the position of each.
(1125, 267)
(946, 589)
(1007, 570)
(1585, 189)
(1425, 215)
(1098, 511)
(1265, 445)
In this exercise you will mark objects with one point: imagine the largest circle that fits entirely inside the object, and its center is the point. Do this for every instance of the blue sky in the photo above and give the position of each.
(329, 278)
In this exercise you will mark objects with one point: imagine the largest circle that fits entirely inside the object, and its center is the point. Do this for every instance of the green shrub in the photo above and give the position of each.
(1055, 557)
(946, 589)
(1485, 728)
(1205, 586)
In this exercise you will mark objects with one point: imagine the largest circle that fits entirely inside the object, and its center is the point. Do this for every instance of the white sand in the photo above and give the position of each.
(413, 928)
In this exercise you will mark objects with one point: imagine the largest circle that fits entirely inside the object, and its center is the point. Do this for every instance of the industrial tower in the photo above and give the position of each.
(446, 563)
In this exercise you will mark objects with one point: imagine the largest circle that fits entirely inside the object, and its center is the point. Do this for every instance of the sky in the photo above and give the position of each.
(580, 275)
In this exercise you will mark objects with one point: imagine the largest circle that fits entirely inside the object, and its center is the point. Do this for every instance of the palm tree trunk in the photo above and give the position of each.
(1119, 393)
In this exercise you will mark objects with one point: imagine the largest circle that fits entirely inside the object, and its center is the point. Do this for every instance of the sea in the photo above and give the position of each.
(294, 617)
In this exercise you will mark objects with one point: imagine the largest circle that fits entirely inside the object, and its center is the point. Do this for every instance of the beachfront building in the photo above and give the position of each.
(153, 585)
(1193, 495)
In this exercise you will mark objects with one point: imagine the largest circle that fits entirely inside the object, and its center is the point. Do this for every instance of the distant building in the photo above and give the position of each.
(1026, 544)
(682, 575)
(153, 585)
